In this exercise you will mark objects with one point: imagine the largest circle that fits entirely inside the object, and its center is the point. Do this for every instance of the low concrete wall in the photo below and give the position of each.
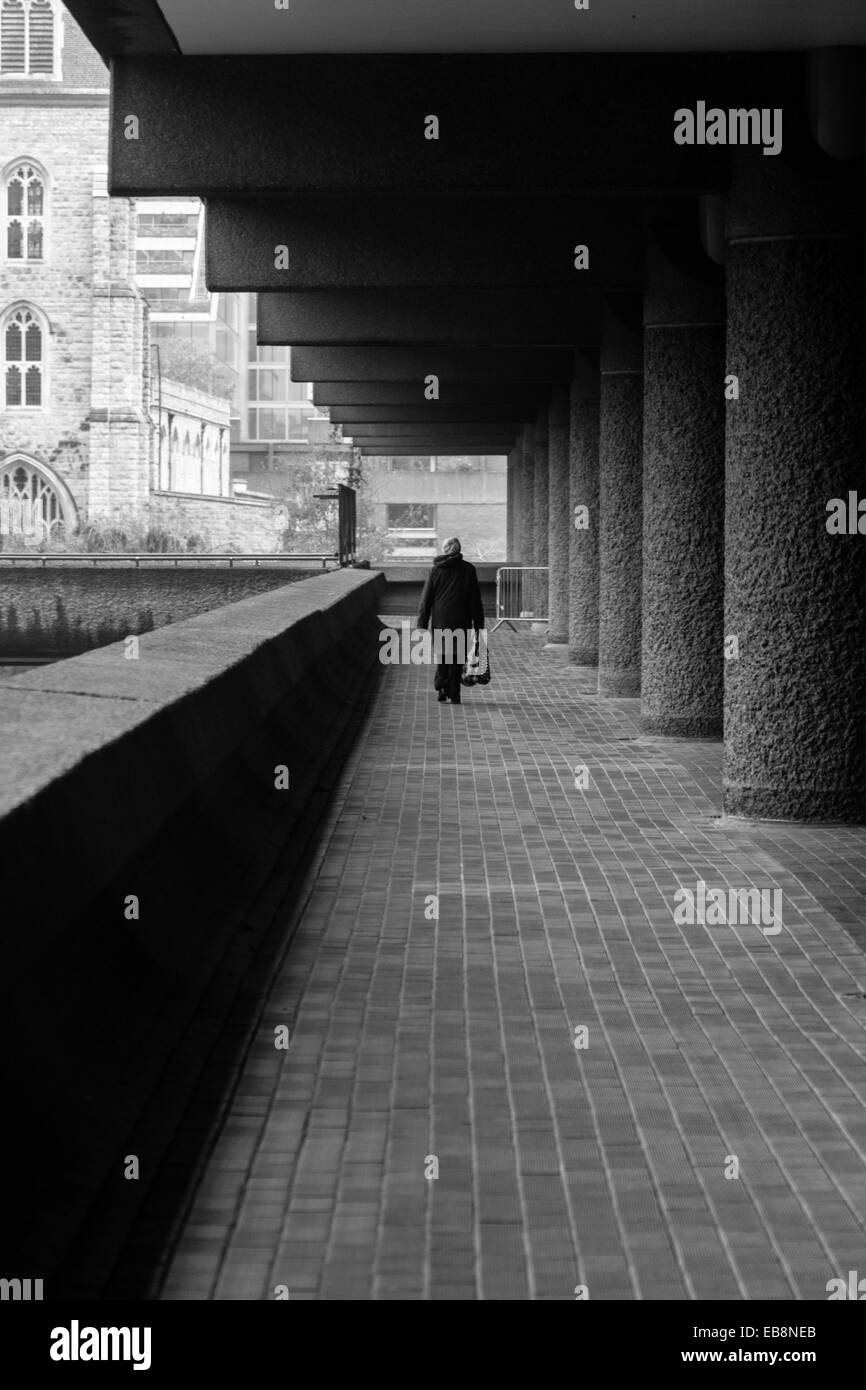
(406, 583)
(151, 779)
(70, 609)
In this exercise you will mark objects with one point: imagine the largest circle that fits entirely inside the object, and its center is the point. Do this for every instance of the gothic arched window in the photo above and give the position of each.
(23, 359)
(24, 212)
(32, 505)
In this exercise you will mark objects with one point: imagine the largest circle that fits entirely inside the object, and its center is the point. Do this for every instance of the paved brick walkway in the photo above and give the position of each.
(414, 1038)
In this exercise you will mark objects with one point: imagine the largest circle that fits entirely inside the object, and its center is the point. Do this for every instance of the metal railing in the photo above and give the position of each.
(345, 555)
(521, 594)
(164, 558)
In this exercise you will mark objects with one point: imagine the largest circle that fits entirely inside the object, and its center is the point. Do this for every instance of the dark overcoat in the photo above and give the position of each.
(452, 596)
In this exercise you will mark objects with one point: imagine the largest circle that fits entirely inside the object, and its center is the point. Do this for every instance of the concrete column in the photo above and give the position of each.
(795, 591)
(683, 488)
(528, 555)
(541, 488)
(620, 497)
(512, 482)
(583, 516)
(519, 524)
(557, 516)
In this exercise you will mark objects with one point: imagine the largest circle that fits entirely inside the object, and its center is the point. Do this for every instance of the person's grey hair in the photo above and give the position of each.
(451, 546)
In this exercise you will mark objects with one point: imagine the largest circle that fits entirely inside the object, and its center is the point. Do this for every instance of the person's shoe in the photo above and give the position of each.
(455, 700)
(442, 697)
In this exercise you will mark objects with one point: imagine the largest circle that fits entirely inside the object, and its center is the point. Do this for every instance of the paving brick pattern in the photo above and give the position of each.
(414, 1038)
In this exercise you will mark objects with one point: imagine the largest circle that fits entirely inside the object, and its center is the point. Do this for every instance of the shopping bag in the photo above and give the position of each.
(477, 668)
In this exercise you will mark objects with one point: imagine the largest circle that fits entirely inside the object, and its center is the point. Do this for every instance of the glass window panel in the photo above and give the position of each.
(13, 386)
(272, 386)
(15, 241)
(14, 343)
(153, 224)
(35, 198)
(34, 241)
(272, 424)
(15, 197)
(168, 262)
(34, 386)
(307, 426)
(408, 515)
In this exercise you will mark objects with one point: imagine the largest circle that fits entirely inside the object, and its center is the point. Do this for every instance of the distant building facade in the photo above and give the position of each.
(90, 427)
(415, 504)
(74, 412)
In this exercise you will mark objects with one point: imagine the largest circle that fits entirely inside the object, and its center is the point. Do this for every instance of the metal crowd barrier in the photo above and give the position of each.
(521, 594)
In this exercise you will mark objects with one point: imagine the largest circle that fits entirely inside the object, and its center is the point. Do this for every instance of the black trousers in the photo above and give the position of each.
(448, 678)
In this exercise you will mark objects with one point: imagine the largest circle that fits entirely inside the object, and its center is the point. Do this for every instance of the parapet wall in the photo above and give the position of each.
(141, 817)
(70, 609)
(406, 584)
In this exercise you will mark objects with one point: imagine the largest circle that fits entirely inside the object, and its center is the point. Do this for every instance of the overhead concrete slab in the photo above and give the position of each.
(462, 366)
(495, 317)
(464, 26)
(442, 434)
(484, 396)
(308, 243)
(433, 448)
(444, 431)
(557, 123)
(119, 28)
(434, 414)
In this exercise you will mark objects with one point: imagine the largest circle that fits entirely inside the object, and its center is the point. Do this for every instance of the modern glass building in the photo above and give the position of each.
(267, 406)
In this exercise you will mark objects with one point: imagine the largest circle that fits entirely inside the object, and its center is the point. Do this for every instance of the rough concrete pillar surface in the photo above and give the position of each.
(511, 485)
(528, 556)
(541, 488)
(795, 592)
(583, 518)
(683, 489)
(557, 515)
(620, 499)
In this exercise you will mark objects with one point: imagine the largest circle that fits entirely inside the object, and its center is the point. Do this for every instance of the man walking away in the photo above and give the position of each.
(452, 598)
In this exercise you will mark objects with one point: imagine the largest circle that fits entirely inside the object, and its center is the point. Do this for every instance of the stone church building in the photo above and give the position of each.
(74, 399)
(88, 431)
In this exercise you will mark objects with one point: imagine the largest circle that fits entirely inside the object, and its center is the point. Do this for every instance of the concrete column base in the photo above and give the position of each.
(690, 726)
(619, 685)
